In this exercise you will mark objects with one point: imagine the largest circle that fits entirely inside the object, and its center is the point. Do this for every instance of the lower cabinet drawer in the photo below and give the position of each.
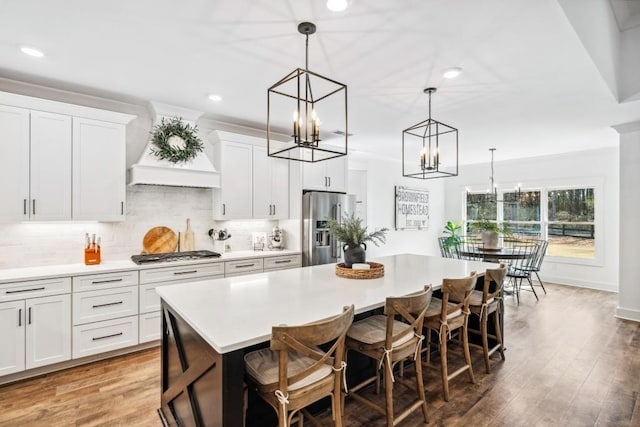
(34, 289)
(282, 262)
(150, 326)
(242, 266)
(104, 336)
(94, 306)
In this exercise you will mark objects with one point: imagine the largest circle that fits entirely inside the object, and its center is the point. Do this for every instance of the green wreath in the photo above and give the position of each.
(161, 147)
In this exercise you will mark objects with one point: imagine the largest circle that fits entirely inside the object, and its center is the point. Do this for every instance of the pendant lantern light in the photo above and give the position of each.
(316, 108)
(430, 148)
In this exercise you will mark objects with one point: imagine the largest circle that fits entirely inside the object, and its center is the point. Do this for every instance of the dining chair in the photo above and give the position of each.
(389, 339)
(536, 261)
(295, 372)
(444, 316)
(446, 251)
(467, 250)
(520, 267)
(485, 302)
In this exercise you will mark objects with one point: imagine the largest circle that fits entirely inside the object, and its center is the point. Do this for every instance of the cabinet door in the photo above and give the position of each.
(262, 184)
(234, 199)
(99, 170)
(12, 337)
(314, 176)
(14, 164)
(50, 166)
(279, 188)
(48, 333)
(337, 174)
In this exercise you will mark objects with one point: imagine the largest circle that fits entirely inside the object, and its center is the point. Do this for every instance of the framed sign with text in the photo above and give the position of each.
(412, 208)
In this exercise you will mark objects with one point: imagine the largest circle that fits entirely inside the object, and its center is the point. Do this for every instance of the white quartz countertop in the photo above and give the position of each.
(236, 312)
(111, 266)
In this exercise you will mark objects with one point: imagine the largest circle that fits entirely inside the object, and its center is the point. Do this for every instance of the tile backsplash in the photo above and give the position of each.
(26, 244)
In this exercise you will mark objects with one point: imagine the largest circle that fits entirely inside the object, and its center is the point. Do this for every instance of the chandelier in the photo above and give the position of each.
(319, 107)
(430, 148)
(492, 191)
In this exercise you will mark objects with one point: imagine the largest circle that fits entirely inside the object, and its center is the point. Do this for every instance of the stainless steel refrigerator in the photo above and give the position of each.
(318, 245)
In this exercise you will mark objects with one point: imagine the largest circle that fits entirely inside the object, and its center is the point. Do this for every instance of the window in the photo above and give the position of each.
(565, 217)
(521, 212)
(571, 228)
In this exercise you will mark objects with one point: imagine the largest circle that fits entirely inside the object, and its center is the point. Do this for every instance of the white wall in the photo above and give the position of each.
(598, 168)
(382, 177)
(629, 296)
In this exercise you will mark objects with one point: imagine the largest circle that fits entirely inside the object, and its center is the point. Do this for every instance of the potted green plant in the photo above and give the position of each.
(353, 235)
(490, 232)
(454, 234)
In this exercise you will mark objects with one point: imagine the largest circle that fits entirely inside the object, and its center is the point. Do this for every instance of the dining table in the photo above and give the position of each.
(496, 255)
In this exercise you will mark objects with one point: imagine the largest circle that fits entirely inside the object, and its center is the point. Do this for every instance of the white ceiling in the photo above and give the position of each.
(528, 85)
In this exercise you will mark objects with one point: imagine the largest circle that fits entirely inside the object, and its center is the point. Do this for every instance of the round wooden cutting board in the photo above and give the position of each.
(159, 240)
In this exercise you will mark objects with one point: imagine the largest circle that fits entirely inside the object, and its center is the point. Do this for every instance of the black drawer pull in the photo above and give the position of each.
(286, 261)
(107, 304)
(244, 265)
(106, 336)
(96, 282)
(25, 290)
(177, 273)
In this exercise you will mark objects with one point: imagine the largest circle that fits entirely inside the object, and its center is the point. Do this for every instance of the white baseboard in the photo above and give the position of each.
(628, 314)
(609, 287)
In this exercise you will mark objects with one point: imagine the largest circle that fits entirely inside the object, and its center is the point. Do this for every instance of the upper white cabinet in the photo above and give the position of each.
(252, 185)
(60, 161)
(270, 186)
(328, 175)
(99, 170)
(14, 163)
(36, 165)
(233, 200)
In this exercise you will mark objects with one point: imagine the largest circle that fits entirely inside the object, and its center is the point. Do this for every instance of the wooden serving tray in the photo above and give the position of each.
(376, 271)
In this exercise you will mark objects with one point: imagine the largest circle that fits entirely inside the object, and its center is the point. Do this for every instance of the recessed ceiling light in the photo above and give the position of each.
(337, 5)
(452, 73)
(31, 51)
(215, 98)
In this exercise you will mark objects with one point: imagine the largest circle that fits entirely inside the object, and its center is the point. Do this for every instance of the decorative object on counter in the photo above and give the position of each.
(429, 148)
(353, 235)
(258, 240)
(303, 92)
(175, 140)
(276, 239)
(374, 271)
(92, 249)
(187, 239)
(159, 240)
(219, 237)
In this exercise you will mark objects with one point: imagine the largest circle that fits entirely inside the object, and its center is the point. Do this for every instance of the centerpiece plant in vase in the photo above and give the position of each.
(353, 235)
(490, 233)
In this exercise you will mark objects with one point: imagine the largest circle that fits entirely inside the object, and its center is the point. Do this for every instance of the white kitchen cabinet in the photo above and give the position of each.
(270, 186)
(234, 198)
(47, 329)
(36, 165)
(283, 262)
(99, 170)
(12, 338)
(35, 331)
(328, 175)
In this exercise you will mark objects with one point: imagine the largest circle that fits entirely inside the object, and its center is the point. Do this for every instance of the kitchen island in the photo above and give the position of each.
(208, 325)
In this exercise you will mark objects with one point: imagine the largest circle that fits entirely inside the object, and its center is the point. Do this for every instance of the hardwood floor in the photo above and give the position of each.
(569, 363)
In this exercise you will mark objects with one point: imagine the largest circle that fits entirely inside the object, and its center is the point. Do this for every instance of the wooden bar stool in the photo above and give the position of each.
(294, 372)
(389, 339)
(485, 302)
(446, 315)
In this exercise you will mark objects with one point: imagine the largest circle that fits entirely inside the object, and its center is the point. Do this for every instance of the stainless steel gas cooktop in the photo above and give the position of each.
(173, 256)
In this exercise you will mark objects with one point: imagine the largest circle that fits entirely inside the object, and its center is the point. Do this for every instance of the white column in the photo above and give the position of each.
(629, 291)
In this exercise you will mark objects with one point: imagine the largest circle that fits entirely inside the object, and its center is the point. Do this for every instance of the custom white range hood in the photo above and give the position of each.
(198, 172)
